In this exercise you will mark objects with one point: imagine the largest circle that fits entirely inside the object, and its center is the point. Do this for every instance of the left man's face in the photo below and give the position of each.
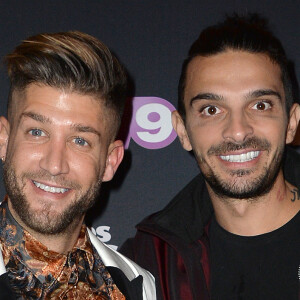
(58, 153)
(236, 121)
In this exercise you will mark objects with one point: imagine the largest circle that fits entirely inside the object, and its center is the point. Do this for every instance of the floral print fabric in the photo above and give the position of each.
(36, 272)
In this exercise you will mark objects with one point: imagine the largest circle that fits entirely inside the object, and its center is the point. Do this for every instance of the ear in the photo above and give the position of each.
(114, 157)
(4, 135)
(179, 127)
(293, 123)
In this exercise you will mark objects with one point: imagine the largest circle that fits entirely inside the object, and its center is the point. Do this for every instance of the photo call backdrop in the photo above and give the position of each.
(151, 38)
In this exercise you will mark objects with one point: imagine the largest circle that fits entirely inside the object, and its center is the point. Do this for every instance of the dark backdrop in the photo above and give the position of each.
(151, 38)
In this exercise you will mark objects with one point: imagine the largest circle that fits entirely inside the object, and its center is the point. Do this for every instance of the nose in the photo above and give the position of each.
(238, 128)
(54, 158)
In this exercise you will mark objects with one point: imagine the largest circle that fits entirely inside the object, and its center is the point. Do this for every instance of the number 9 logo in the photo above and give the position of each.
(151, 125)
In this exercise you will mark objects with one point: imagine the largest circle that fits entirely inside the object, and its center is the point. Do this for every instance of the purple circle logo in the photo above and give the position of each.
(151, 125)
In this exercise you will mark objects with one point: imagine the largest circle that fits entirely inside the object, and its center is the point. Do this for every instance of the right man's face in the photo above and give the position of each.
(236, 122)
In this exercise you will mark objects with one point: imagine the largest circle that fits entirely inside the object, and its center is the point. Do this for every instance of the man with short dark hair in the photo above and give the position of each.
(58, 145)
(233, 231)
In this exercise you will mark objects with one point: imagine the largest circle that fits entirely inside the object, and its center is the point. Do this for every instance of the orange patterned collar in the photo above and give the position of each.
(42, 261)
(37, 272)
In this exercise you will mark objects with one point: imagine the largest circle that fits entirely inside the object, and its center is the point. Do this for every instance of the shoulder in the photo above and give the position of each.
(112, 258)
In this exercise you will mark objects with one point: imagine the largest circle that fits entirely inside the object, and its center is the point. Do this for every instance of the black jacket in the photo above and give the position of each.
(6, 293)
(173, 243)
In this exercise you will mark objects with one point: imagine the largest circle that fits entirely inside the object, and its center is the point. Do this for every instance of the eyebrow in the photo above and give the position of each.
(252, 94)
(261, 93)
(36, 117)
(206, 96)
(76, 127)
(84, 128)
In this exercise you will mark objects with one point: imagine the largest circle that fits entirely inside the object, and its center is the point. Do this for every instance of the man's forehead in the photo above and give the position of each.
(38, 97)
(226, 57)
(94, 109)
(44, 93)
(230, 67)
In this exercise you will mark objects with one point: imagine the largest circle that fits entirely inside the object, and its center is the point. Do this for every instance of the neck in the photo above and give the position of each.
(60, 243)
(249, 217)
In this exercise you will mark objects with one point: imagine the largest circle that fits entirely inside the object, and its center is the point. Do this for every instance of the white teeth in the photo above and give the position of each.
(240, 157)
(50, 189)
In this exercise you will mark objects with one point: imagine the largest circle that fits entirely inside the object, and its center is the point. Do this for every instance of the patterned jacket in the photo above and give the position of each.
(111, 259)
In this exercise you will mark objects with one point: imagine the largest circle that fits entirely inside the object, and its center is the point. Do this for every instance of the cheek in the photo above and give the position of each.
(203, 137)
(22, 157)
(274, 131)
(25, 155)
(84, 168)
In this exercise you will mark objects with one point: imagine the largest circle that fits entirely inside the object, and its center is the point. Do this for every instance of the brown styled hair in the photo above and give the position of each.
(74, 61)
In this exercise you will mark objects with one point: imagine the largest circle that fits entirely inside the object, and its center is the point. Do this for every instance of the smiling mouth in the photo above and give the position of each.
(50, 189)
(240, 158)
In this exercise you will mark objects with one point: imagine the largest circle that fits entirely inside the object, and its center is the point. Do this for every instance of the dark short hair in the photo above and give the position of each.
(71, 60)
(242, 33)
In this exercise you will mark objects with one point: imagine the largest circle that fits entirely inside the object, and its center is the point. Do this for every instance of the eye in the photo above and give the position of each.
(262, 105)
(80, 141)
(37, 132)
(210, 110)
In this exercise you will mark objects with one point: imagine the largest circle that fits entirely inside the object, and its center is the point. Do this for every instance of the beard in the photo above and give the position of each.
(45, 221)
(240, 188)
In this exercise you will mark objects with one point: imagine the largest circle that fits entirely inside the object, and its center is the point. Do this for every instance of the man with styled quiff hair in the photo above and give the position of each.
(72, 61)
(58, 145)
